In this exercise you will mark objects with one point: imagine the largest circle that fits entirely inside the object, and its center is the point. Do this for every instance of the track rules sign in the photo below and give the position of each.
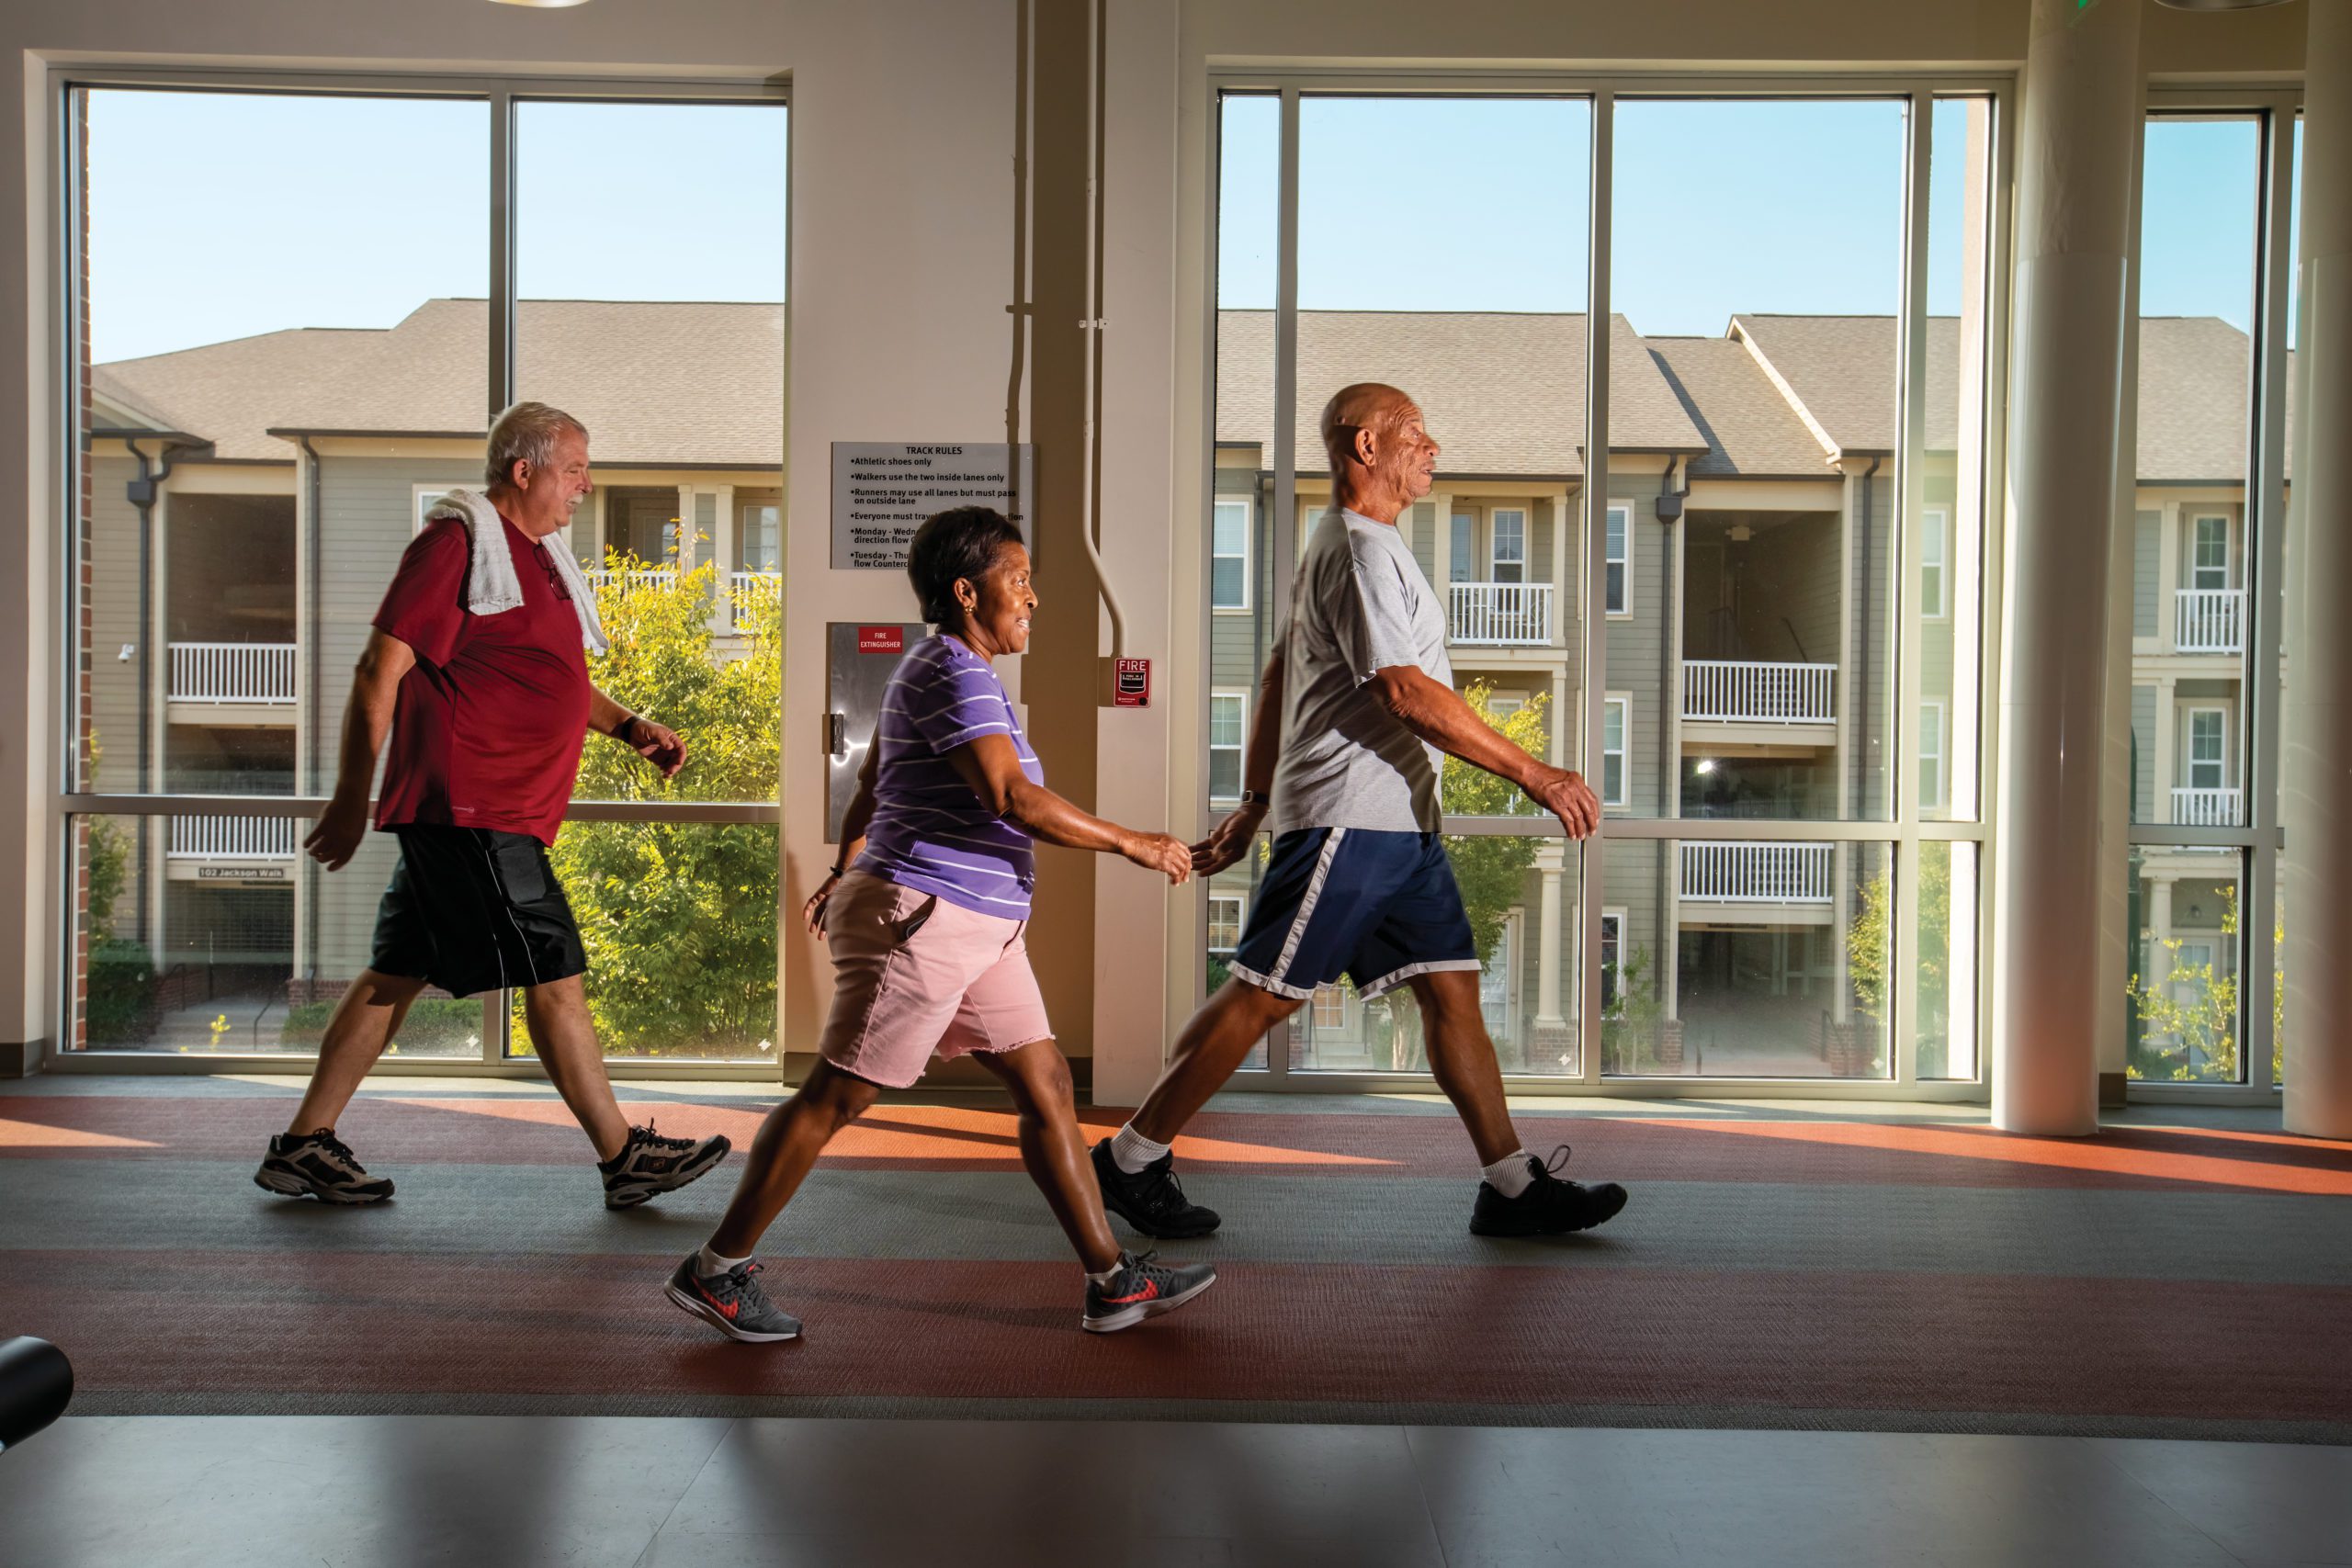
(884, 489)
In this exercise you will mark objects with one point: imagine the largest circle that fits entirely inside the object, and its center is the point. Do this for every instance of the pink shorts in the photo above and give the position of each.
(914, 975)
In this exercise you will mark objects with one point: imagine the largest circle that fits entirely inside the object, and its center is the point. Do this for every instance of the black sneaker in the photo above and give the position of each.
(731, 1303)
(318, 1164)
(1142, 1288)
(1551, 1205)
(1150, 1200)
(649, 1164)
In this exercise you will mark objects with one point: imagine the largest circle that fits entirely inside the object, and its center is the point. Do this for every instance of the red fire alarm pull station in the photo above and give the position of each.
(1131, 684)
(881, 639)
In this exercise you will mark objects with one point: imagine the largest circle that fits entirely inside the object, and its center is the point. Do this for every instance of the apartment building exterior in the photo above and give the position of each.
(250, 502)
(251, 499)
(1750, 602)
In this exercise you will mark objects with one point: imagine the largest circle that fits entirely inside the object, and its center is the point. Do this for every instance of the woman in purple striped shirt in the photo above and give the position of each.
(924, 914)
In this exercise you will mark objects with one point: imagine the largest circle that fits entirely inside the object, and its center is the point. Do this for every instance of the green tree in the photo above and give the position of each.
(1870, 948)
(679, 919)
(1631, 1025)
(2188, 1016)
(1492, 868)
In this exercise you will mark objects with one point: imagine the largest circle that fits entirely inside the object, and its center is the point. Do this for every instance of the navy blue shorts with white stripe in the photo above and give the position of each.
(1380, 908)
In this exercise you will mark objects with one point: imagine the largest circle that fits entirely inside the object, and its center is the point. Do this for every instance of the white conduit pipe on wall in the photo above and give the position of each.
(1094, 325)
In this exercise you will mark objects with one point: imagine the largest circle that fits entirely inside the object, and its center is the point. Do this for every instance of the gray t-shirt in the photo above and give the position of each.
(1360, 604)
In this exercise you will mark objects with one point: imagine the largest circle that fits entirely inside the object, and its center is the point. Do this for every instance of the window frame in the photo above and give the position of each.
(1217, 506)
(1622, 703)
(1494, 562)
(1589, 492)
(2190, 761)
(1619, 605)
(1612, 961)
(1935, 556)
(2197, 567)
(502, 93)
(1240, 748)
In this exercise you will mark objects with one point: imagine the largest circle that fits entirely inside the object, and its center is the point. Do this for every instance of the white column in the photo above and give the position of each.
(723, 556)
(2164, 768)
(2317, 773)
(1441, 545)
(2078, 133)
(2168, 549)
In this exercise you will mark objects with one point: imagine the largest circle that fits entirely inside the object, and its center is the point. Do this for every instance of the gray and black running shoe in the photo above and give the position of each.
(1552, 1205)
(733, 1303)
(319, 1165)
(649, 1164)
(1143, 1287)
(1151, 1199)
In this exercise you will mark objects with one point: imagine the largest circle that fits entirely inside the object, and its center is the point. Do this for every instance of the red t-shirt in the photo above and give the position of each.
(490, 723)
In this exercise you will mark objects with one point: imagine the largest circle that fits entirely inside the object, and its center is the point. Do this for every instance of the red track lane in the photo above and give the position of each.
(266, 1323)
(390, 1133)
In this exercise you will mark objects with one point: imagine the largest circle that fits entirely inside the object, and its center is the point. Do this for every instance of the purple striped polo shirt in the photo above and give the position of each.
(930, 832)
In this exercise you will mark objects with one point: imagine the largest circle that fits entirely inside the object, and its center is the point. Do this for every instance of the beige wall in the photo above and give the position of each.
(903, 246)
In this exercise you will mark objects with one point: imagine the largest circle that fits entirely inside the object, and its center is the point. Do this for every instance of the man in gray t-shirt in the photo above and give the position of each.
(1356, 715)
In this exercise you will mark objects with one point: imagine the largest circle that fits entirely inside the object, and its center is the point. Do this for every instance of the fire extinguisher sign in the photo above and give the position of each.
(1131, 684)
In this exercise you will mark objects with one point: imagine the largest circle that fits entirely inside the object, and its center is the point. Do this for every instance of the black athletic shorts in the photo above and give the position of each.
(470, 910)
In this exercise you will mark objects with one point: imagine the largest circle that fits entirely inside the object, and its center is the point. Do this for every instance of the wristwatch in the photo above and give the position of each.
(1253, 797)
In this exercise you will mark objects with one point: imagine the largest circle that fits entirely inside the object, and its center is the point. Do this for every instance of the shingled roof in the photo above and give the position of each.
(1751, 431)
(702, 384)
(654, 383)
(1503, 392)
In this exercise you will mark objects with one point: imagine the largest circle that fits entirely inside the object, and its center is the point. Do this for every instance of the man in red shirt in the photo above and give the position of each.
(477, 669)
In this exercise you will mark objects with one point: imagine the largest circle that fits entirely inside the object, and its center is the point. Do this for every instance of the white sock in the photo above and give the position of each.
(709, 1265)
(1130, 1151)
(1509, 1175)
(1109, 1274)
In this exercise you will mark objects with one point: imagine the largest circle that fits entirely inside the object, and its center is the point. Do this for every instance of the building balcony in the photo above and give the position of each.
(232, 674)
(1508, 615)
(651, 576)
(2206, 809)
(1758, 874)
(1725, 690)
(2209, 620)
(747, 582)
(232, 849)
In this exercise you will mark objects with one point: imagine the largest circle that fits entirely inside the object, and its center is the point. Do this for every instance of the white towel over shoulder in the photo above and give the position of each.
(491, 588)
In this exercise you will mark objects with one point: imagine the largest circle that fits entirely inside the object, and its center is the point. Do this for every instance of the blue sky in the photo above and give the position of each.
(350, 212)
(308, 211)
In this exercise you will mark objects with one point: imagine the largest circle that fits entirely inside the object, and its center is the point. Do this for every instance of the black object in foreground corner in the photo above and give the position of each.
(36, 1384)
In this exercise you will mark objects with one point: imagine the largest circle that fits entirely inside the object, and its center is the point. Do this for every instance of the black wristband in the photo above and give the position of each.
(620, 730)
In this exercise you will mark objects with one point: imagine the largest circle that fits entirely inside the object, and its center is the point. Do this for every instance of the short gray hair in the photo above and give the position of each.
(526, 434)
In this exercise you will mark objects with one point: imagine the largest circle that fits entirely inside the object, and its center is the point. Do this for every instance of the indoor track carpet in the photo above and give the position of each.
(2186, 1274)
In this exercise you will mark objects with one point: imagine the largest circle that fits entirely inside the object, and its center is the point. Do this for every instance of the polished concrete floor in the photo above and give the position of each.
(353, 1491)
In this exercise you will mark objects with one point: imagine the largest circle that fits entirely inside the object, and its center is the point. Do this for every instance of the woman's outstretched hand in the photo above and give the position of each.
(1160, 853)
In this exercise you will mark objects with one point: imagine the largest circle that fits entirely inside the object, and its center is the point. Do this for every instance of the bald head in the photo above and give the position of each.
(1382, 460)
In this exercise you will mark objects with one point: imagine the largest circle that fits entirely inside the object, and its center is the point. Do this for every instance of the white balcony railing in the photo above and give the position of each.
(1757, 873)
(1509, 613)
(1737, 691)
(648, 578)
(232, 672)
(2205, 808)
(233, 838)
(747, 582)
(2209, 620)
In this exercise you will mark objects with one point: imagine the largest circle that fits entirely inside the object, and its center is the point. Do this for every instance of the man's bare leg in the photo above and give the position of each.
(565, 1037)
(1461, 1058)
(1211, 1046)
(365, 1021)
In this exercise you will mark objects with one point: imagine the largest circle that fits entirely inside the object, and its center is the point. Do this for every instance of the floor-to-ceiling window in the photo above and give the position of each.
(1753, 612)
(293, 314)
(2207, 490)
